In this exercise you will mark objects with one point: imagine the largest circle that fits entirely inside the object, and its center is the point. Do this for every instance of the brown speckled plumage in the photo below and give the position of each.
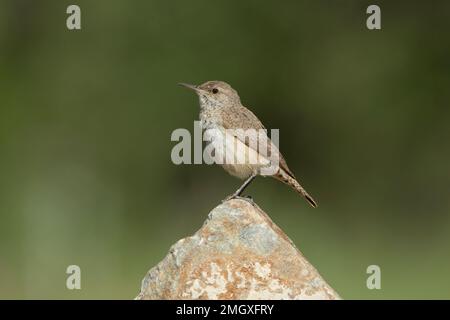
(221, 108)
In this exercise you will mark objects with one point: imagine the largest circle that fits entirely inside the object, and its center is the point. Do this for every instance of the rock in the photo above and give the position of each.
(239, 253)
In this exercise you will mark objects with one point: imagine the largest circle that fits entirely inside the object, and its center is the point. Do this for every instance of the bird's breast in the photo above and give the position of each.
(230, 152)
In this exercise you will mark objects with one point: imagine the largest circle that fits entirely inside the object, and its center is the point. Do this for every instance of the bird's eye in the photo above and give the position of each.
(215, 90)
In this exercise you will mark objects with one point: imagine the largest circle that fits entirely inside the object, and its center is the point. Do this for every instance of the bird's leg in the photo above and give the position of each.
(242, 187)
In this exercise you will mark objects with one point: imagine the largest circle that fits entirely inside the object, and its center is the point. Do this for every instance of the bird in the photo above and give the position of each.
(222, 113)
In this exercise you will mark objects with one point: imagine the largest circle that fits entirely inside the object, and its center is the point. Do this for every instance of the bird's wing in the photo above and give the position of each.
(243, 118)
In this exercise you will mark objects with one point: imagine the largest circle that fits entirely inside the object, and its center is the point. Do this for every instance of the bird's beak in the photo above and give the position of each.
(192, 87)
(189, 86)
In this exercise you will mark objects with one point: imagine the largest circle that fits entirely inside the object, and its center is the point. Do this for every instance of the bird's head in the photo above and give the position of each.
(215, 94)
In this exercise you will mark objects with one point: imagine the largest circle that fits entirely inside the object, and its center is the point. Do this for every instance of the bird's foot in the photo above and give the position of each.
(235, 196)
(230, 197)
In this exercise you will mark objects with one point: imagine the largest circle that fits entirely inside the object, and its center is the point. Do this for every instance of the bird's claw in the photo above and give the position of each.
(230, 197)
(234, 196)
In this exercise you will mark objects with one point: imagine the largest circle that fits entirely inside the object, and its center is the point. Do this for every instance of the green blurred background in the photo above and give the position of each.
(86, 117)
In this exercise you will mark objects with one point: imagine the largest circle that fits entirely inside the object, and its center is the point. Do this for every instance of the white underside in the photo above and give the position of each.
(235, 156)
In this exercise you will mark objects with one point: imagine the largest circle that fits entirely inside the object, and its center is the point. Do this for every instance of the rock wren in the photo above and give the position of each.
(221, 110)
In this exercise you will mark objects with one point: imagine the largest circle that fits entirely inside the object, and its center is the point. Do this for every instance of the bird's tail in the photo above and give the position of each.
(293, 183)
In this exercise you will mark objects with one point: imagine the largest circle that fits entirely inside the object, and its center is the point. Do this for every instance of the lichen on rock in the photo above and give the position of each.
(238, 253)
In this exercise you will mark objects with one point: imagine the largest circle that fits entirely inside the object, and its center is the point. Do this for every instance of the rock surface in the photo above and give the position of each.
(239, 253)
